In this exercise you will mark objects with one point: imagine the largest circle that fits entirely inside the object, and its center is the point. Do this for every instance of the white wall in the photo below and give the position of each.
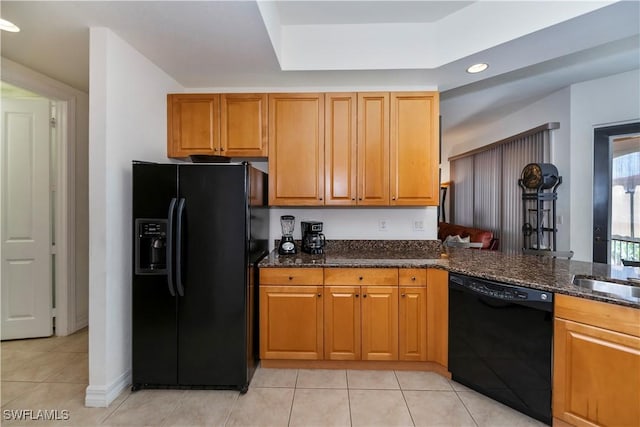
(127, 122)
(596, 103)
(579, 108)
(361, 223)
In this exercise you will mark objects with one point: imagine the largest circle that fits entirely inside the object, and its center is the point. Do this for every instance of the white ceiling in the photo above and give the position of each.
(533, 47)
(365, 12)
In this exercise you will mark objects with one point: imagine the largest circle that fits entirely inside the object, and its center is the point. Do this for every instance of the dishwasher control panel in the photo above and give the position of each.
(501, 291)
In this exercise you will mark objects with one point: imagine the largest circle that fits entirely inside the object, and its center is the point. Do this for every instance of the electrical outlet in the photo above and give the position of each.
(382, 225)
(418, 225)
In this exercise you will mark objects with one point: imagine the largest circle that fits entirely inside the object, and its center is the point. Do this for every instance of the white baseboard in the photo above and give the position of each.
(81, 322)
(98, 396)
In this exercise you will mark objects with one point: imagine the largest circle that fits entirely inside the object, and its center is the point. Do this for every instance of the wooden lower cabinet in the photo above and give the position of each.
(412, 324)
(361, 314)
(291, 322)
(361, 323)
(438, 316)
(342, 323)
(377, 314)
(596, 379)
(379, 323)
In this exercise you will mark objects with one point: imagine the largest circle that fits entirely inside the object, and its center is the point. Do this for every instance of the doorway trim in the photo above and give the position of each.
(66, 104)
(602, 184)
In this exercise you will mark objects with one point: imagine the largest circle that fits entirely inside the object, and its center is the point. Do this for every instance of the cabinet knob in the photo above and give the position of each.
(413, 278)
(353, 198)
(360, 198)
(364, 295)
(320, 198)
(215, 149)
(402, 295)
(357, 295)
(222, 149)
(319, 295)
(290, 277)
(360, 278)
(393, 198)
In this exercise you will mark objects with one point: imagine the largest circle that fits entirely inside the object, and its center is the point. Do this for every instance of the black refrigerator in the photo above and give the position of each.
(199, 231)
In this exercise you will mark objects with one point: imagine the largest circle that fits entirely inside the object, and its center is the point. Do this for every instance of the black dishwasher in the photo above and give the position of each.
(500, 339)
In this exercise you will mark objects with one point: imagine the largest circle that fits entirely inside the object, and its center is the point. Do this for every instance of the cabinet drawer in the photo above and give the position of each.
(412, 277)
(361, 276)
(291, 276)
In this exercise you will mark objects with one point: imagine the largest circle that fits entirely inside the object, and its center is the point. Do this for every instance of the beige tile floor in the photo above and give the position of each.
(51, 374)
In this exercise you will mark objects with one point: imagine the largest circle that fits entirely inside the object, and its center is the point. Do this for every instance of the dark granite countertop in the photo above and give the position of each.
(548, 274)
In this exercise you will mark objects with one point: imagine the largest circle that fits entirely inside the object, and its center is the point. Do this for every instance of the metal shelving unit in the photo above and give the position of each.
(539, 210)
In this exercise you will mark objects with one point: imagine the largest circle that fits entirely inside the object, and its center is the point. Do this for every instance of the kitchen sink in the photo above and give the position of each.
(616, 290)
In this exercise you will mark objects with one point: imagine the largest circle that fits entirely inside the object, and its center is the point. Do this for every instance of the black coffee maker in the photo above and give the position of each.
(312, 237)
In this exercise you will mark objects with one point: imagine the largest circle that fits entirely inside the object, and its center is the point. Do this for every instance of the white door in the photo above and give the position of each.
(25, 229)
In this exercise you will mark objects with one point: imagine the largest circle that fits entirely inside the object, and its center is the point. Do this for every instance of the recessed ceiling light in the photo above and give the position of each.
(477, 68)
(8, 26)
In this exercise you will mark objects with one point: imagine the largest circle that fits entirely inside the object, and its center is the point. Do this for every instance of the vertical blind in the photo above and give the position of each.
(486, 192)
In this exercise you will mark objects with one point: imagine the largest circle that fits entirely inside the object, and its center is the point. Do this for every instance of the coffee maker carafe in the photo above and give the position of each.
(312, 237)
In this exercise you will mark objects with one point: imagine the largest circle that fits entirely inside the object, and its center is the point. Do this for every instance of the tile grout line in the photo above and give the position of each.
(175, 407)
(346, 373)
(293, 398)
(116, 408)
(404, 398)
(465, 405)
(232, 407)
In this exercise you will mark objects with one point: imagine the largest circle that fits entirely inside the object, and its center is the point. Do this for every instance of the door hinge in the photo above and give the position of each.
(52, 122)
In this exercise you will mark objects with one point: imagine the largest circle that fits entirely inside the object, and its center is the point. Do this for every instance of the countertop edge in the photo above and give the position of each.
(444, 264)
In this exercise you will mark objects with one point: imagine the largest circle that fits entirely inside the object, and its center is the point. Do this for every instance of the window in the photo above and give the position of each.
(486, 192)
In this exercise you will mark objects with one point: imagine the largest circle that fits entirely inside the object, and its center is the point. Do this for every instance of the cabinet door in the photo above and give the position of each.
(438, 316)
(596, 376)
(193, 124)
(342, 323)
(291, 322)
(243, 125)
(373, 149)
(296, 149)
(414, 149)
(412, 328)
(379, 323)
(340, 149)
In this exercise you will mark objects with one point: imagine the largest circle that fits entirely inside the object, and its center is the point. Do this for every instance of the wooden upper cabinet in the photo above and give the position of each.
(340, 148)
(243, 121)
(373, 149)
(296, 149)
(193, 124)
(414, 149)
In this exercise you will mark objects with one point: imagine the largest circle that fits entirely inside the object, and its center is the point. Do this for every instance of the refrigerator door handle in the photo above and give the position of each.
(179, 249)
(172, 208)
